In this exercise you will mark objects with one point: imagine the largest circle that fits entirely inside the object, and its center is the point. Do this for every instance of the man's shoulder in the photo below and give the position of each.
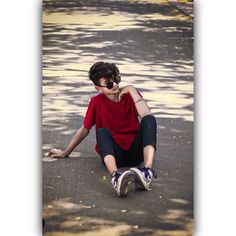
(127, 97)
(96, 98)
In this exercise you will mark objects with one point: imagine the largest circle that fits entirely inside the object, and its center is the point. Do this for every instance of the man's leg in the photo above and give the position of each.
(110, 163)
(148, 153)
(143, 150)
(113, 156)
(149, 130)
(144, 146)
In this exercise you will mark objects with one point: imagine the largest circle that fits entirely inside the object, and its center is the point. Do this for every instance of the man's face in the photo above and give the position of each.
(106, 86)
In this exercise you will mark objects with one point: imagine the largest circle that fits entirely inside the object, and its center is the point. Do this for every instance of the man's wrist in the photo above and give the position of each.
(138, 100)
(66, 153)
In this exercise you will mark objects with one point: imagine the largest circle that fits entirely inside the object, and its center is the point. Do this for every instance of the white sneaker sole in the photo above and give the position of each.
(139, 179)
(124, 183)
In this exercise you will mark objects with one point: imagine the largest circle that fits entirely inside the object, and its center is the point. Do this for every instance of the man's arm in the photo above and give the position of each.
(139, 102)
(80, 135)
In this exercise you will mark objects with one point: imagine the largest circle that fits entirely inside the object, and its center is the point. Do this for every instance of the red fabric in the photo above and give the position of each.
(121, 118)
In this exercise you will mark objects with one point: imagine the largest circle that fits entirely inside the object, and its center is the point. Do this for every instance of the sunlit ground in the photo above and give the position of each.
(77, 225)
(153, 50)
(73, 43)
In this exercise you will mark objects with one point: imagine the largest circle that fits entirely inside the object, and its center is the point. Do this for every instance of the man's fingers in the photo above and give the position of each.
(54, 153)
(120, 95)
(51, 153)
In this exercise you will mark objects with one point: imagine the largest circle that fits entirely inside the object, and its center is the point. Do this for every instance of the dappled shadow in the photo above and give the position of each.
(152, 51)
(152, 46)
(133, 7)
(83, 181)
(63, 217)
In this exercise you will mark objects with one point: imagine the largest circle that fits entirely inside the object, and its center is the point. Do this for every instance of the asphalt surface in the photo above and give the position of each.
(78, 198)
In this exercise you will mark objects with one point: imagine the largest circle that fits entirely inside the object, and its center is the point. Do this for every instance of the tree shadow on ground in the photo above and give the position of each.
(80, 187)
(156, 55)
(109, 6)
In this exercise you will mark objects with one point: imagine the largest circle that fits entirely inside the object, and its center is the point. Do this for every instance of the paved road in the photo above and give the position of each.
(152, 44)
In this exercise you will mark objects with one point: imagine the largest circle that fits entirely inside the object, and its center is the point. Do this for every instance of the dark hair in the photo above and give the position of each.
(104, 69)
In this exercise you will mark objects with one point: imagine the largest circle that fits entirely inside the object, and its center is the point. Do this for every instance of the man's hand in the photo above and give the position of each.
(57, 153)
(126, 89)
(141, 105)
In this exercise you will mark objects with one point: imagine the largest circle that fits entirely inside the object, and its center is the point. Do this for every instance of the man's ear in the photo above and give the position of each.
(97, 88)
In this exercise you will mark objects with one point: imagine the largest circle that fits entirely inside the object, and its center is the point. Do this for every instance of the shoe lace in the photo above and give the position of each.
(116, 176)
(146, 170)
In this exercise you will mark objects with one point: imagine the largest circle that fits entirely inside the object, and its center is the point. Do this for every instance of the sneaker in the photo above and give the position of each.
(122, 182)
(143, 177)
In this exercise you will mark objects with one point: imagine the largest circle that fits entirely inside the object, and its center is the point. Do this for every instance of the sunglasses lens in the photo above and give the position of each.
(110, 85)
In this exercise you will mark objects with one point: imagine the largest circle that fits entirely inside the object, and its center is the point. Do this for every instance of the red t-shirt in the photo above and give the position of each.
(120, 118)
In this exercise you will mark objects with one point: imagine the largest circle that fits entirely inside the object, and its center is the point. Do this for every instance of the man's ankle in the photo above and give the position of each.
(114, 173)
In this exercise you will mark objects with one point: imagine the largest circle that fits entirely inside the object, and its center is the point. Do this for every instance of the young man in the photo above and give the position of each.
(122, 141)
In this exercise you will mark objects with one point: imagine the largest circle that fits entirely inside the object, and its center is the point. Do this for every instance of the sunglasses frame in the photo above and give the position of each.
(109, 85)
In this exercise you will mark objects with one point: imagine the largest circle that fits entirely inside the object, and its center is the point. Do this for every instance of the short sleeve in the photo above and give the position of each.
(89, 119)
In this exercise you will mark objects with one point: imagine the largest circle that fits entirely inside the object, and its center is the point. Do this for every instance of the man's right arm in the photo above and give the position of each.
(80, 135)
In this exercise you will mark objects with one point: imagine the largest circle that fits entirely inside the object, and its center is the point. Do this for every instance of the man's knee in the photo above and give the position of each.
(149, 121)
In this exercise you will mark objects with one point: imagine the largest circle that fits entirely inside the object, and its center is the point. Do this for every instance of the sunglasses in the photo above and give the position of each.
(109, 85)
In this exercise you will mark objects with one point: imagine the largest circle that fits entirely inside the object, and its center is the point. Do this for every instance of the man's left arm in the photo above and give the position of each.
(139, 102)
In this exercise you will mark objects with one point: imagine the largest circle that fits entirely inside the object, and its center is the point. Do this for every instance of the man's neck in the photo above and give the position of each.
(113, 97)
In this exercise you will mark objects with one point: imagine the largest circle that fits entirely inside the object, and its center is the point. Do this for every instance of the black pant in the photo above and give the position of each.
(146, 135)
